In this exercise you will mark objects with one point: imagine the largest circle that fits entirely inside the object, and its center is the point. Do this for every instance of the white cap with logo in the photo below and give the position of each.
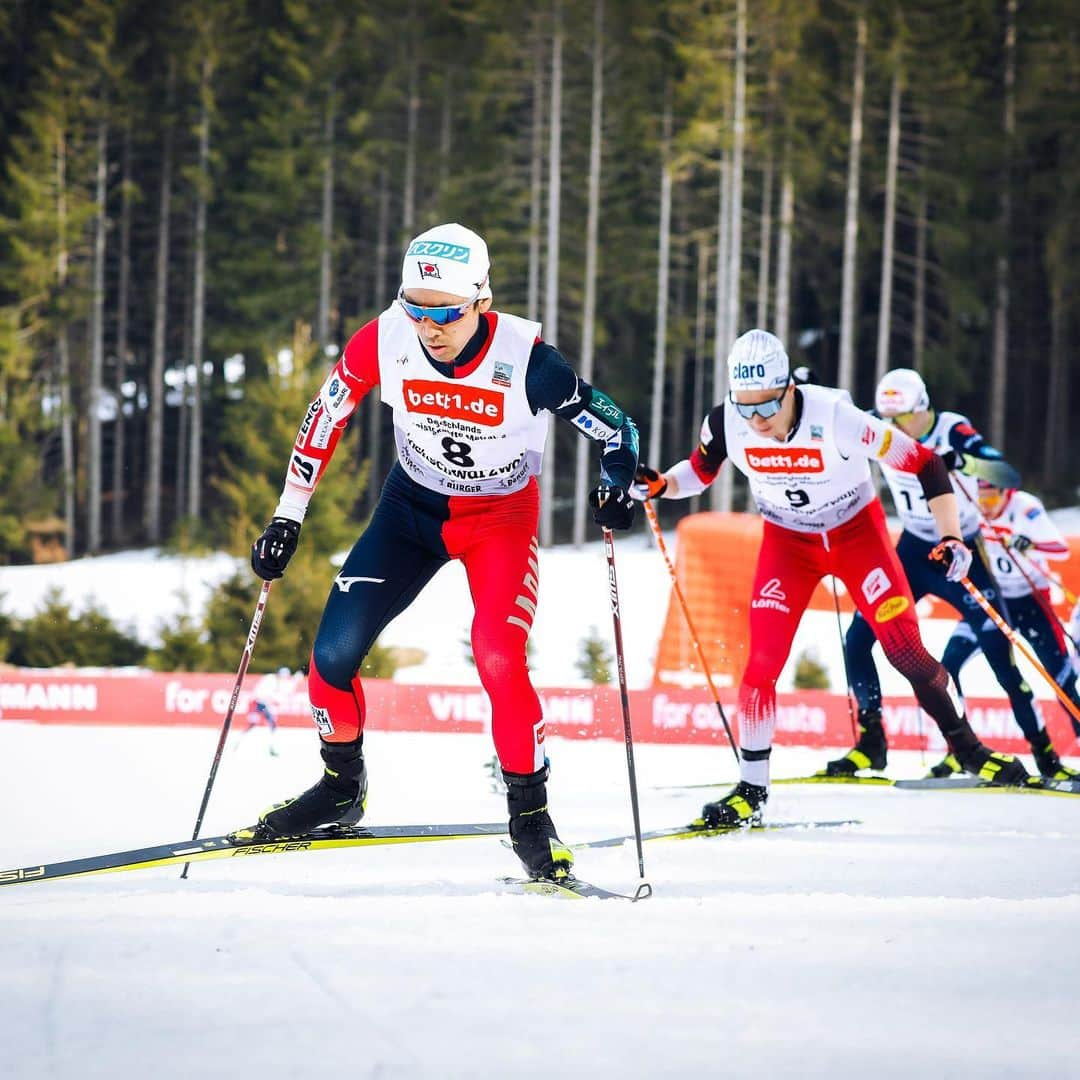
(901, 391)
(758, 361)
(450, 259)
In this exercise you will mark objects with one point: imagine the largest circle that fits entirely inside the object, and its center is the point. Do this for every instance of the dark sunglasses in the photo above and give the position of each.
(764, 409)
(440, 316)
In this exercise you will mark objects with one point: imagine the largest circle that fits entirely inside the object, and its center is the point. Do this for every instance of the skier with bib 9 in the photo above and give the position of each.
(806, 451)
(471, 390)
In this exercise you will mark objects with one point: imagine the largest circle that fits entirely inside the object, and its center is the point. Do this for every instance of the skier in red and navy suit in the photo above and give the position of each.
(471, 390)
(806, 450)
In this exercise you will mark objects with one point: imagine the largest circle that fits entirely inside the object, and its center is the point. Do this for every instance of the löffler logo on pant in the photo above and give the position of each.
(771, 595)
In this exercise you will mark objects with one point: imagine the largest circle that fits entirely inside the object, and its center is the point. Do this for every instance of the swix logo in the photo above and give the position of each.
(771, 595)
(785, 460)
(748, 371)
(456, 403)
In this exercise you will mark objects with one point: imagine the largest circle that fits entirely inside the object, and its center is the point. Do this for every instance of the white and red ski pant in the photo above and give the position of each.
(413, 533)
(790, 565)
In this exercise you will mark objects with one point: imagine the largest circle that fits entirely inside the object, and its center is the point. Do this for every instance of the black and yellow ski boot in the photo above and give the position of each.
(742, 806)
(339, 798)
(532, 832)
(1047, 761)
(948, 766)
(992, 765)
(869, 752)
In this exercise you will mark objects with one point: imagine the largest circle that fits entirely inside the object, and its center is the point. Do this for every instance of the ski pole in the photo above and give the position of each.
(628, 734)
(1020, 644)
(650, 513)
(249, 648)
(843, 652)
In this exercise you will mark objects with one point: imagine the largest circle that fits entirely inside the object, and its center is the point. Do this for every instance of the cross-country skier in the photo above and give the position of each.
(471, 390)
(901, 400)
(806, 452)
(1018, 536)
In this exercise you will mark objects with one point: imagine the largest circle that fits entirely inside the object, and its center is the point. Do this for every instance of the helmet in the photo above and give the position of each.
(757, 361)
(901, 391)
(450, 259)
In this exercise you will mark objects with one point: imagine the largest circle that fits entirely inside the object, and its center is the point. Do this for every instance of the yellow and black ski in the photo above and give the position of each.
(573, 888)
(872, 779)
(244, 844)
(688, 832)
(1036, 785)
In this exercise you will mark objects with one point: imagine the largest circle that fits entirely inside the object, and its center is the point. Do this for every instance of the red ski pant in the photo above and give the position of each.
(790, 564)
(413, 533)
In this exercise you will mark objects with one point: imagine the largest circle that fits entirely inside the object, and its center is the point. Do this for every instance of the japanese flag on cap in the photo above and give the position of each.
(757, 361)
(901, 391)
(450, 259)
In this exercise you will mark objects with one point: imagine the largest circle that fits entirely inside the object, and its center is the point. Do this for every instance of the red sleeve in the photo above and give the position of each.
(355, 373)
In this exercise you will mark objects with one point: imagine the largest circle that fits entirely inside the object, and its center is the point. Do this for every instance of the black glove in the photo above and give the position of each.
(648, 484)
(612, 507)
(270, 554)
(1021, 543)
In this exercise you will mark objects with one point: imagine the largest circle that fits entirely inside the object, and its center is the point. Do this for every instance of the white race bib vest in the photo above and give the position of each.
(907, 492)
(468, 436)
(805, 483)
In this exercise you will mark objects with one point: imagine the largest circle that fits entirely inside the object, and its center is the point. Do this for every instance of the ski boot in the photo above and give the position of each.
(742, 806)
(532, 833)
(870, 752)
(1047, 761)
(339, 798)
(947, 766)
(1000, 769)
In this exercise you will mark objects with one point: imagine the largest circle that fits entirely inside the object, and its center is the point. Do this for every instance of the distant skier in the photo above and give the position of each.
(1018, 536)
(260, 713)
(806, 452)
(471, 390)
(903, 403)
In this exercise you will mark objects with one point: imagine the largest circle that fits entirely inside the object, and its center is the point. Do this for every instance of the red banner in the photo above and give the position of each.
(807, 718)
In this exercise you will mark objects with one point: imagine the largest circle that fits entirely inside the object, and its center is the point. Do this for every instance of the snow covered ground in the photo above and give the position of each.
(937, 937)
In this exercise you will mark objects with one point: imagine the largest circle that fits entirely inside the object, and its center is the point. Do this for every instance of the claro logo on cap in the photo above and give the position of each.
(801, 460)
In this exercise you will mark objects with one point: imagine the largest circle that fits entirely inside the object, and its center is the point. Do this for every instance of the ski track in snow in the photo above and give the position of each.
(936, 938)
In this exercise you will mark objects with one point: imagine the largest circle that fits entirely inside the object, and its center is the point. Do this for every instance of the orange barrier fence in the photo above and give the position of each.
(715, 559)
(808, 718)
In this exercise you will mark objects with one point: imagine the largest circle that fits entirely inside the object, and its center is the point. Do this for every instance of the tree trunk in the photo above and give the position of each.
(1056, 432)
(889, 228)
(326, 254)
(63, 348)
(918, 332)
(697, 411)
(721, 336)
(445, 139)
(156, 434)
(783, 257)
(198, 298)
(592, 228)
(551, 283)
(656, 418)
(999, 361)
(375, 411)
(846, 371)
(119, 470)
(536, 178)
(765, 245)
(97, 350)
(408, 212)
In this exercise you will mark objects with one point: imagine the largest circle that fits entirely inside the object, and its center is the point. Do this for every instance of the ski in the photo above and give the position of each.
(815, 778)
(573, 888)
(1036, 785)
(688, 832)
(244, 844)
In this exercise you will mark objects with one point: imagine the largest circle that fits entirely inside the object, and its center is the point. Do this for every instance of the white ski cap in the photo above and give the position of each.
(450, 259)
(901, 391)
(757, 361)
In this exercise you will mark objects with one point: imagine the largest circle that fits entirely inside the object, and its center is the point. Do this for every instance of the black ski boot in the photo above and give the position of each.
(870, 752)
(741, 806)
(338, 798)
(532, 833)
(987, 764)
(1047, 760)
